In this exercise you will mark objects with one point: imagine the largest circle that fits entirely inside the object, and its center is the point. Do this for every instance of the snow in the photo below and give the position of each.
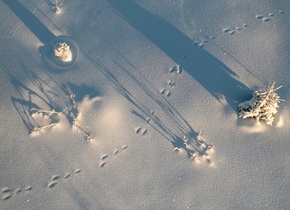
(145, 114)
(62, 51)
(263, 105)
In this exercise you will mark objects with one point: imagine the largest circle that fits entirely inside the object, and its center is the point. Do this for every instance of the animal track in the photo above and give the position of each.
(176, 69)
(124, 147)
(67, 175)
(167, 91)
(170, 83)
(105, 158)
(28, 188)
(233, 30)
(102, 164)
(6, 197)
(7, 193)
(77, 171)
(51, 184)
(141, 130)
(202, 42)
(266, 18)
(5, 190)
(18, 190)
(263, 18)
(55, 179)
(199, 151)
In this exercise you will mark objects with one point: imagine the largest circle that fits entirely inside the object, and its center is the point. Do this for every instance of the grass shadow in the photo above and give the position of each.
(44, 96)
(40, 95)
(173, 127)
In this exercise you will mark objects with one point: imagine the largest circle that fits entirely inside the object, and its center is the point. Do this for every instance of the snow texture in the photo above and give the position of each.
(144, 116)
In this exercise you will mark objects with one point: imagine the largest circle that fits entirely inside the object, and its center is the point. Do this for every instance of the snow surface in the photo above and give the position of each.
(154, 84)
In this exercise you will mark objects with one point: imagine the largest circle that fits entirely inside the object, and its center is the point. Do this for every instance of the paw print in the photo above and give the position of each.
(233, 30)
(105, 158)
(167, 91)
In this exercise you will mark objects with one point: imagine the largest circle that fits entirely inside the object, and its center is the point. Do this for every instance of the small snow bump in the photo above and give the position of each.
(56, 177)
(28, 188)
(104, 157)
(51, 184)
(201, 45)
(67, 176)
(6, 190)
(162, 91)
(78, 171)
(231, 32)
(226, 30)
(265, 19)
(144, 131)
(171, 83)
(18, 190)
(137, 130)
(6, 197)
(259, 16)
(103, 164)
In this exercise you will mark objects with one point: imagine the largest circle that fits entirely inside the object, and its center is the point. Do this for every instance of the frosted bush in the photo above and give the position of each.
(63, 52)
(263, 105)
(56, 6)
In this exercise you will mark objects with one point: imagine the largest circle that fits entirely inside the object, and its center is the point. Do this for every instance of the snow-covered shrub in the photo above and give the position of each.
(263, 105)
(63, 52)
(56, 6)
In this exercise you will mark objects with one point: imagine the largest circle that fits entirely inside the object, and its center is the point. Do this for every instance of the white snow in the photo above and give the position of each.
(263, 105)
(62, 51)
(144, 114)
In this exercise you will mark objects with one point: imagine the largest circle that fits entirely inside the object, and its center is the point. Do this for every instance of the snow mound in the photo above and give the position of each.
(63, 52)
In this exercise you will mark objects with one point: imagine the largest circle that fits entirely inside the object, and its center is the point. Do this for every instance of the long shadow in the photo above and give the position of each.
(174, 130)
(172, 114)
(210, 72)
(32, 22)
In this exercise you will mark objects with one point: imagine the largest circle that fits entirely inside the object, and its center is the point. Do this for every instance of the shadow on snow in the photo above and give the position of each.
(45, 94)
(210, 72)
(32, 22)
(175, 128)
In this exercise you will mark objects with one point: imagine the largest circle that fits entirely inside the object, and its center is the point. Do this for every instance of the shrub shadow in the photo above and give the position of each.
(48, 39)
(210, 72)
(31, 22)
